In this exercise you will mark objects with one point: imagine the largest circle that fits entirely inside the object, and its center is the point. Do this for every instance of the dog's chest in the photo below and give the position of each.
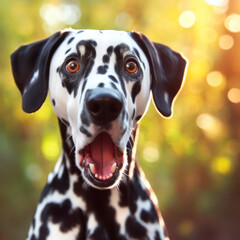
(72, 212)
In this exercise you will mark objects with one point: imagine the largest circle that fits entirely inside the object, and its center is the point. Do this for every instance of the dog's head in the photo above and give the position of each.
(100, 83)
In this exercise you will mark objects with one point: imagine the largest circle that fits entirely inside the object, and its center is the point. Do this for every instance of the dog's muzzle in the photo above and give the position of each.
(102, 160)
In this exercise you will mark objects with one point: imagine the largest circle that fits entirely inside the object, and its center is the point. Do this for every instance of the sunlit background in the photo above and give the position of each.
(191, 160)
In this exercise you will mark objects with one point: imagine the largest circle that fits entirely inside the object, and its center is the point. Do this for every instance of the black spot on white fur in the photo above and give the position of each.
(135, 229)
(102, 69)
(133, 114)
(110, 51)
(58, 183)
(113, 78)
(157, 236)
(106, 59)
(101, 85)
(135, 90)
(114, 86)
(138, 55)
(68, 51)
(70, 40)
(149, 216)
(63, 214)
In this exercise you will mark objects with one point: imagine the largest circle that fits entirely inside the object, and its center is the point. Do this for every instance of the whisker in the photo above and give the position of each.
(68, 137)
(71, 150)
(85, 185)
(125, 174)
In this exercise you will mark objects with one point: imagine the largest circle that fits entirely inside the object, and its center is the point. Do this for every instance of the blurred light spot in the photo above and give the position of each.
(211, 126)
(220, 9)
(33, 172)
(226, 42)
(123, 20)
(217, 2)
(205, 121)
(187, 19)
(215, 78)
(222, 165)
(232, 23)
(50, 147)
(185, 227)
(44, 113)
(234, 95)
(63, 13)
(209, 35)
(151, 154)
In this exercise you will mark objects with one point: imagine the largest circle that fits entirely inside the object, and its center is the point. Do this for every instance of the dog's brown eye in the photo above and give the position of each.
(72, 66)
(131, 67)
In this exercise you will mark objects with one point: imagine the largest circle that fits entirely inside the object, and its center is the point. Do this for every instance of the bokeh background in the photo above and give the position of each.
(191, 160)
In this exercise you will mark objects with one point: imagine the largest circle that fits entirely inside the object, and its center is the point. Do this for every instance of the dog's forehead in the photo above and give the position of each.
(102, 39)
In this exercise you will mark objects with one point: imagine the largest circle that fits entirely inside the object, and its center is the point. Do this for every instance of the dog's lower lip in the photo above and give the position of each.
(103, 182)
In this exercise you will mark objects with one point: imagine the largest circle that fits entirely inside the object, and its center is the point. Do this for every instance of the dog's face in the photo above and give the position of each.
(101, 86)
(99, 83)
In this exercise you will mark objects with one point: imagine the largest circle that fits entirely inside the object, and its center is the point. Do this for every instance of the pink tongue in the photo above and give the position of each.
(103, 153)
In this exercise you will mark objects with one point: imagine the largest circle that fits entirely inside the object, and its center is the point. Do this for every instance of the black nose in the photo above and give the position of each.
(104, 105)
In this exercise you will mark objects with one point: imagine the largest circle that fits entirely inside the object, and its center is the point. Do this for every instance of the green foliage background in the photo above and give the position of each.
(191, 160)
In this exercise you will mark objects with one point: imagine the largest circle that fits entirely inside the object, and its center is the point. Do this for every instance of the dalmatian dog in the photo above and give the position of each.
(99, 83)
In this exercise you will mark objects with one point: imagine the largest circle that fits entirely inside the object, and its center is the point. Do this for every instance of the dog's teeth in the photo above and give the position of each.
(113, 168)
(110, 175)
(96, 175)
(92, 168)
(100, 177)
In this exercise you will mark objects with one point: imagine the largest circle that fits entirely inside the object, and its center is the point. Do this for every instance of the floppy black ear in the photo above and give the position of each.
(30, 67)
(167, 70)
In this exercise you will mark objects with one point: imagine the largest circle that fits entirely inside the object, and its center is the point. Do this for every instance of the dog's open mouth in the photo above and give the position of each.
(101, 160)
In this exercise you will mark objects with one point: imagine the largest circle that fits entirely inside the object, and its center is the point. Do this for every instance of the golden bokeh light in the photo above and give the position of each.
(50, 147)
(205, 121)
(234, 95)
(210, 125)
(232, 23)
(187, 19)
(56, 16)
(222, 165)
(151, 154)
(217, 2)
(226, 42)
(215, 78)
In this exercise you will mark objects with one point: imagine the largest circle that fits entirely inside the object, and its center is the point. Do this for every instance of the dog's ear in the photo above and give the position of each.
(30, 67)
(167, 70)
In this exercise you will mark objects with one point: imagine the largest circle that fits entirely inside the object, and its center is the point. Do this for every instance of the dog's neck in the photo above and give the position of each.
(69, 150)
